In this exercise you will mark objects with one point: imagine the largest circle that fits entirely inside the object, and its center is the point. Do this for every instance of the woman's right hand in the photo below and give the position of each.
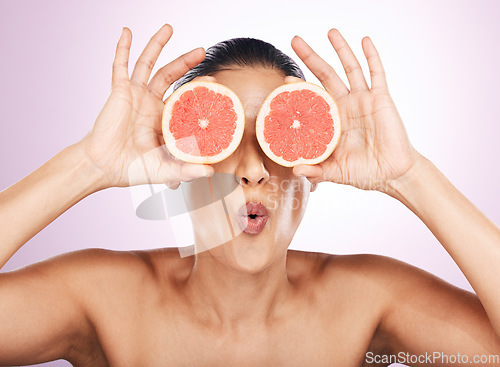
(126, 143)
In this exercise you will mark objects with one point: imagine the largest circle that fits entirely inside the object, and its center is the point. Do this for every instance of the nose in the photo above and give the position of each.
(251, 170)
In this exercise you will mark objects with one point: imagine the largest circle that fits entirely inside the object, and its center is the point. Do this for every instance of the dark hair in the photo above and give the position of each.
(242, 52)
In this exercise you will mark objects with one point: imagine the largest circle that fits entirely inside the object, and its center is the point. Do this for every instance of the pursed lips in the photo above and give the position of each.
(253, 217)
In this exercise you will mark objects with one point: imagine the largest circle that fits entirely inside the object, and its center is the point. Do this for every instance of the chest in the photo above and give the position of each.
(308, 338)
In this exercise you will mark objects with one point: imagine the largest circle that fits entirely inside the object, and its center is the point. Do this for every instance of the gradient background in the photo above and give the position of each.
(441, 60)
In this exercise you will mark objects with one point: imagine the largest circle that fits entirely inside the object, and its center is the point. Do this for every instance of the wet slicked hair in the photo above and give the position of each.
(242, 52)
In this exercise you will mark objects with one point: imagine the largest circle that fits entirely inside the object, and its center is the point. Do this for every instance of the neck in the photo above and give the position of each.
(229, 297)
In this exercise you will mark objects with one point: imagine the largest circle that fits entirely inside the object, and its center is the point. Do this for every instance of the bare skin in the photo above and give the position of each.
(250, 302)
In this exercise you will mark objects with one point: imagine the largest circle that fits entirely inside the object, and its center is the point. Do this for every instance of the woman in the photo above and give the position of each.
(249, 302)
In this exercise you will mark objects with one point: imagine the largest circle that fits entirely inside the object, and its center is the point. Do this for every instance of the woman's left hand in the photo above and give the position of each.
(373, 149)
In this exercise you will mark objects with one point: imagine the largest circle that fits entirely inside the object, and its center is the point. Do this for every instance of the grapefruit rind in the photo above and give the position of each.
(266, 109)
(169, 139)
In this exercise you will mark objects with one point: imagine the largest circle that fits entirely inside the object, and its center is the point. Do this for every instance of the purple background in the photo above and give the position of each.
(441, 60)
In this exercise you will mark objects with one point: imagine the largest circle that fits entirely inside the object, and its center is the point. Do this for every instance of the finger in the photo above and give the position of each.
(377, 73)
(158, 166)
(310, 171)
(349, 62)
(168, 74)
(314, 181)
(180, 172)
(175, 172)
(324, 72)
(148, 57)
(190, 171)
(173, 185)
(120, 63)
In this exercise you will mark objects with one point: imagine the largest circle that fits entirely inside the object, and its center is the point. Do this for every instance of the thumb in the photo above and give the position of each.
(157, 166)
(173, 170)
(310, 171)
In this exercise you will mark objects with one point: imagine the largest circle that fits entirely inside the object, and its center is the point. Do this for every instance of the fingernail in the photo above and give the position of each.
(335, 32)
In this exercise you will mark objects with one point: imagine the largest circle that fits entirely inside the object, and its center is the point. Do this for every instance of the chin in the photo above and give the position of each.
(246, 252)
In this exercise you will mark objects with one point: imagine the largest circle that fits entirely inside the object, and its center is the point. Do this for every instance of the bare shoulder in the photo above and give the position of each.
(96, 264)
(366, 270)
(347, 268)
(352, 292)
(394, 279)
(96, 278)
(63, 297)
(74, 269)
(385, 280)
(100, 275)
(365, 278)
(413, 310)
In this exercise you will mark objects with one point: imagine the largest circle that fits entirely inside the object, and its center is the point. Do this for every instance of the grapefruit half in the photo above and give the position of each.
(202, 122)
(298, 123)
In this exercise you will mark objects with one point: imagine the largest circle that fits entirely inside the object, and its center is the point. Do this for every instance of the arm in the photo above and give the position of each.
(374, 153)
(122, 149)
(470, 238)
(424, 317)
(41, 315)
(31, 204)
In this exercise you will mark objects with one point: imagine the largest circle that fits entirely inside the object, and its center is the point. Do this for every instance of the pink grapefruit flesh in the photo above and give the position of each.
(298, 123)
(202, 122)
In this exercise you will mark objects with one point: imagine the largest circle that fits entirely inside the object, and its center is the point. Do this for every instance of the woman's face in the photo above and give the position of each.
(256, 205)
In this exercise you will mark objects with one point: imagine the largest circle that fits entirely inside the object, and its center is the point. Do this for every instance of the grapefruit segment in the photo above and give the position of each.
(202, 122)
(298, 123)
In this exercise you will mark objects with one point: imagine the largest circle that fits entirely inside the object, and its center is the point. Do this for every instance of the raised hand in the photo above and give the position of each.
(126, 141)
(374, 148)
